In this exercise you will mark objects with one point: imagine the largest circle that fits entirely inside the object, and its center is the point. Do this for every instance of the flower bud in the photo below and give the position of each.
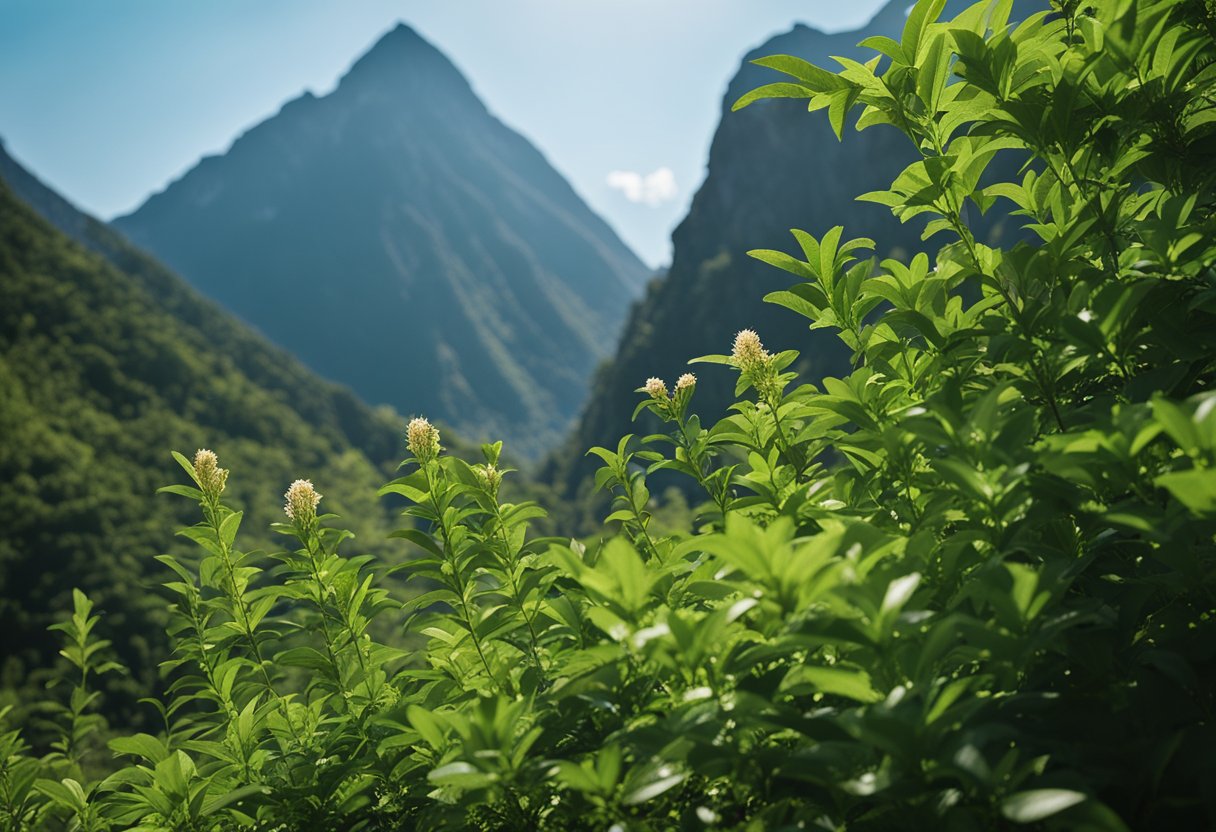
(422, 439)
(489, 477)
(685, 382)
(211, 477)
(302, 500)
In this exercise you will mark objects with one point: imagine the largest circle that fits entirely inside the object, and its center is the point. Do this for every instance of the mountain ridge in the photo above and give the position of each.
(442, 247)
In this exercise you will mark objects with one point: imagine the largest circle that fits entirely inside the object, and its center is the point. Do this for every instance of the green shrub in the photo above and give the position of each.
(968, 587)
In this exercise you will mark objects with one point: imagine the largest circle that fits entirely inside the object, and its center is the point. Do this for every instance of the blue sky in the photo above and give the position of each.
(109, 100)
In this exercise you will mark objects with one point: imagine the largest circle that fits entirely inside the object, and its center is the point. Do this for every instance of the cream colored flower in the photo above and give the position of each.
(211, 477)
(422, 438)
(748, 352)
(302, 501)
(656, 389)
(685, 382)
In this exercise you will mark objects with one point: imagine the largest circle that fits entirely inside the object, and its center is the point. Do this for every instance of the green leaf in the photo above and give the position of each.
(633, 578)
(654, 781)
(575, 776)
(819, 80)
(1037, 804)
(426, 724)
(144, 746)
(784, 262)
(849, 682)
(461, 775)
(308, 657)
(922, 14)
(66, 793)
(420, 539)
(1195, 489)
(229, 526)
(182, 490)
(223, 801)
(887, 46)
(778, 90)
(899, 591)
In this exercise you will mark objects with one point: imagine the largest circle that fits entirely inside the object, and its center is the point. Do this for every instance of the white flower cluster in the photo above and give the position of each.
(670, 405)
(302, 501)
(422, 438)
(211, 477)
(749, 354)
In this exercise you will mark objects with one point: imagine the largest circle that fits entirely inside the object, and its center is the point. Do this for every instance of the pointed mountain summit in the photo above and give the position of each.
(405, 63)
(400, 239)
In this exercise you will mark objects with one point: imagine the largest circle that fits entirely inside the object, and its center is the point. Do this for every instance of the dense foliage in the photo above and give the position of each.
(769, 166)
(967, 586)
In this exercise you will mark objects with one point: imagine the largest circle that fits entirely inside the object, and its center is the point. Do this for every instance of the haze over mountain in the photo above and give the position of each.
(772, 167)
(400, 239)
(107, 362)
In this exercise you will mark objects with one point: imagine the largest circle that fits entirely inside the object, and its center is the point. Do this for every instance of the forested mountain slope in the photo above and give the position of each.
(107, 363)
(324, 404)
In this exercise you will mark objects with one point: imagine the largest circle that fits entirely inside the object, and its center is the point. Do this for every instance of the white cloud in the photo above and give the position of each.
(651, 189)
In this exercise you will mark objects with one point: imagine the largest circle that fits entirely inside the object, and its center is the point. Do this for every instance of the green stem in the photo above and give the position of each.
(639, 518)
(699, 464)
(238, 600)
(783, 443)
(318, 586)
(509, 564)
(457, 577)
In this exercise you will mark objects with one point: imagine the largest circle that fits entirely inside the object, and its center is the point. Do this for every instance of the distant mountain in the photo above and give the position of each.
(772, 167)
(399, 238)
(107, 362)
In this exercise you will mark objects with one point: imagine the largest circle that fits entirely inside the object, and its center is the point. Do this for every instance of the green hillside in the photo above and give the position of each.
(102, 369)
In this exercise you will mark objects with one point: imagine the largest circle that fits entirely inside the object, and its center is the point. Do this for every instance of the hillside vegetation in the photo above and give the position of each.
(967, 584)
(100, 370)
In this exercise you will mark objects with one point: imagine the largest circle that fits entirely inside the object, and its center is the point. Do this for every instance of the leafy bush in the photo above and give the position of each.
(968, 587)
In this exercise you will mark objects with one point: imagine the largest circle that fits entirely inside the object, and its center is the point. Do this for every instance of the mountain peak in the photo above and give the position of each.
(402, 37)
(401, 239)
(403, 30)
(402, 58)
